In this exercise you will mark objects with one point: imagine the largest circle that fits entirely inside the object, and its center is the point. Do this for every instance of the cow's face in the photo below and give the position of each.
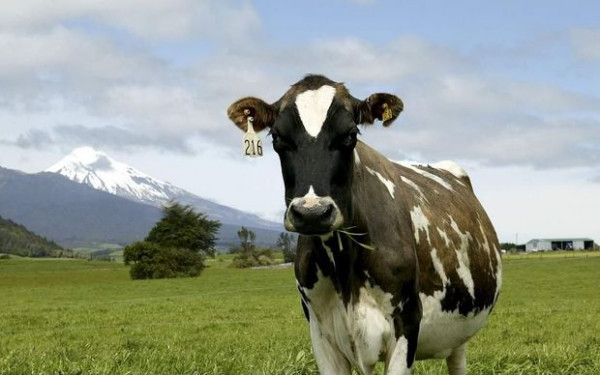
(314, 130)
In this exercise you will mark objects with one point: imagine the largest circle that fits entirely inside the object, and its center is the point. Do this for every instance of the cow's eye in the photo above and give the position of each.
(348, 140)
(279, 144)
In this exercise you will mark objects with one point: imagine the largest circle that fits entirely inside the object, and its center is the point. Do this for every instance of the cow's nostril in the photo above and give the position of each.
(327, 212)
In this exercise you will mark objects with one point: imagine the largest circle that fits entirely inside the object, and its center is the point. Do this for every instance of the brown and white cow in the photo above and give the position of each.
(395, 262)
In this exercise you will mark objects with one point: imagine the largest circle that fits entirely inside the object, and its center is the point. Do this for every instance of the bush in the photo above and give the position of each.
(175, 247)
(254, 258)
(151, 261)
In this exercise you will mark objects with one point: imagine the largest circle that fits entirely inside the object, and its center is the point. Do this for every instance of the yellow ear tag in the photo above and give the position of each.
(251, 143)
(387, 112)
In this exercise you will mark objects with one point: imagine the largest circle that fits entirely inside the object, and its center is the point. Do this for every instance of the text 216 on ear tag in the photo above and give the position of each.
(251, 143)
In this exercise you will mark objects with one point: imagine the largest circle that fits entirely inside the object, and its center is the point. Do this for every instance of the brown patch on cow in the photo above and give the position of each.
(264, 114)
(442, 207)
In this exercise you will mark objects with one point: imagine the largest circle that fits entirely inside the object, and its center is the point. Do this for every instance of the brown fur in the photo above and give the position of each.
(440, 204)
(264, 114)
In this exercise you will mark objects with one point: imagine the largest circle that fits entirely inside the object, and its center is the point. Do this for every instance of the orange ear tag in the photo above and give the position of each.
(251, 143)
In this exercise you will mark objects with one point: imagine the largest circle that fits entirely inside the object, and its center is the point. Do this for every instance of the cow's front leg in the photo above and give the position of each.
(330, 360)
(407, 319)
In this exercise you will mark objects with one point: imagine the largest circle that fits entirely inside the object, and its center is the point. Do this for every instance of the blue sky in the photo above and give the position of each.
(509, 89)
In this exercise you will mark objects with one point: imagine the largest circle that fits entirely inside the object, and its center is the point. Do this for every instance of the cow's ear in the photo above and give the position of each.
(381, 106)
(264, 114)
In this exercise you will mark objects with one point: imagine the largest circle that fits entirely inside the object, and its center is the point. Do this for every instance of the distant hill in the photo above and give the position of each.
(72, 214)
(17, 240)
(76, 215)
(99, 171)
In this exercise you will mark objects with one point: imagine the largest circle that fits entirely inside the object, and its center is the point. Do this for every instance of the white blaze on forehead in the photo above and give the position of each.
(313, 106)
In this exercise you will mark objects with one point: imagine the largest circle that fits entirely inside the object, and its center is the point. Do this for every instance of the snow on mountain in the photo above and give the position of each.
(98, 170)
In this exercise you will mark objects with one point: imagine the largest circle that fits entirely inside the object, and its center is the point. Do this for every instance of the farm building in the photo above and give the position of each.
(544, 244)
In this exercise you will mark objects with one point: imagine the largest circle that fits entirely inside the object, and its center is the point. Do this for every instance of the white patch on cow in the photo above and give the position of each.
(462, 255)
(388, 184)
(442, 331)
(438, 179)
(420, 222)
(443, 234)
(397, 361)
(412, 184)
(498, 271)
(356, 158)
(452, 167)
(359, 332)
(439, 267)
(371, 325)
(313, 106)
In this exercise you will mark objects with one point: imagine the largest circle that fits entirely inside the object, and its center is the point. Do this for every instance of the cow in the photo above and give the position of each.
(395, 262)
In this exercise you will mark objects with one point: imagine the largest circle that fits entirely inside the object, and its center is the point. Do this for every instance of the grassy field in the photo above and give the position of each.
(81, 317)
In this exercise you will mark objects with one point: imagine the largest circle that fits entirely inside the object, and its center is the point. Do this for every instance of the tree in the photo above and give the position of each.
(508, 246)
(183, 227)
(287, 244)
(248, 254)
(247, 238)
(175, 247)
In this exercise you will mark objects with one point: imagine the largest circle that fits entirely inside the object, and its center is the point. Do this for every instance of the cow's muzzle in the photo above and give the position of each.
(313, 215)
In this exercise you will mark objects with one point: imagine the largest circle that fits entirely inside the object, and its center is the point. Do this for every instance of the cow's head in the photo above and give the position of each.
(314, 130)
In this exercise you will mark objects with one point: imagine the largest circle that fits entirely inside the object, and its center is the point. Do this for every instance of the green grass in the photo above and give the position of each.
(76, 316)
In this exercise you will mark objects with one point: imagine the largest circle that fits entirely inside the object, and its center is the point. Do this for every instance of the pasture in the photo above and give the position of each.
(82, 317)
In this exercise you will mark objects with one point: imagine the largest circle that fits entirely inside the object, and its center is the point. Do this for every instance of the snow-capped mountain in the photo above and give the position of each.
(98, 170)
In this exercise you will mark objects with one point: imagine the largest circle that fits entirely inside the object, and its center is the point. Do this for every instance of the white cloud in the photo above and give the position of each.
(173, 19)
(453, 108)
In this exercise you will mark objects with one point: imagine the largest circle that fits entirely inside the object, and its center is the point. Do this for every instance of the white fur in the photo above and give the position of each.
(388, 184)
(420, 222)
(313, 106)
(439, 267)
(415, 167)
(462, 255)
(411, 183)
(443, 234)
(452, 167)
(360, 332)
(397, 361)
(356, 158)
(442, 331)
